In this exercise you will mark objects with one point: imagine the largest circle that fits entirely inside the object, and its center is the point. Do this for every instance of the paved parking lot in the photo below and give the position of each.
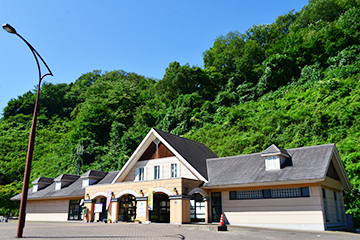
(79, 230)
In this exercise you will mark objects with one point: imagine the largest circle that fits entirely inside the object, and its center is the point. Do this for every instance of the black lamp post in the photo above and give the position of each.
(30, 150)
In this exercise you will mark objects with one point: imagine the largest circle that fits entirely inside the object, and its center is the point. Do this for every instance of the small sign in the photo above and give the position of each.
(98, 207)
(141, 209)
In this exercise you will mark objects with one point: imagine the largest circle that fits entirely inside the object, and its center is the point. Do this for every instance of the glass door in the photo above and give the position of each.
(127, 208)
(197, 208)
(216, 207)
(161, 209)
(74, 210)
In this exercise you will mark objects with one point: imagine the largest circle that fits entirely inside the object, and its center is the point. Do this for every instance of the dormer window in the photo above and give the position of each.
(41, 183)
(91, 177)
(272, 163)
(64, 180)
(58, 185)
(276, 158)
(85, 182)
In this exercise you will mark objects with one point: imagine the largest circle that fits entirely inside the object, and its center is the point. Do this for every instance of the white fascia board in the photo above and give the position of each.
(181, 159)
(135, 156)
(264, 184)
(54, 198)
(345, 181)
(275, 154)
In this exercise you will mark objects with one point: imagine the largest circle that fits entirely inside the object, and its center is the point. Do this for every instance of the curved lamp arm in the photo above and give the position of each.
(12, 30)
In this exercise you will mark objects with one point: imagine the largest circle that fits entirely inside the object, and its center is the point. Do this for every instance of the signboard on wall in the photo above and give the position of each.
(98, 207)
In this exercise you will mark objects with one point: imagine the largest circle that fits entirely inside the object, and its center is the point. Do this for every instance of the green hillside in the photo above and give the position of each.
(295, 83)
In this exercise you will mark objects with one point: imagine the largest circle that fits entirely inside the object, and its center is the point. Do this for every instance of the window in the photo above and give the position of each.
(325, 205)
(337, 207)
(174, 170)
(285, 192)
(74, 210)
(272, 163)
(57, 185)
(157, 171)
(140, 174)
(270, 193)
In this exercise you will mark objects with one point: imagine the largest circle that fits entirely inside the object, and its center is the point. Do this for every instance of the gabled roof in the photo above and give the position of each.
(193, 152)
(190, 153)
(309, 164)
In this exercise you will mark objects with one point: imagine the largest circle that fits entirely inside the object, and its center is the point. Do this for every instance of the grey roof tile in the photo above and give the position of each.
(67, 177)
(43, 180)
(108, 178)
(72, 190)
(307, 163)
(94, 174)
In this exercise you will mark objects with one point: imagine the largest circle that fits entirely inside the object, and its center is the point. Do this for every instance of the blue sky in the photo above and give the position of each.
(76, 37)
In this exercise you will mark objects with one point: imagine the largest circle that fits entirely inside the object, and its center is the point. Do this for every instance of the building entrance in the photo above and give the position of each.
(103, 214)
(216, 207)
(161, 209)
(127, 208)
(197, 208)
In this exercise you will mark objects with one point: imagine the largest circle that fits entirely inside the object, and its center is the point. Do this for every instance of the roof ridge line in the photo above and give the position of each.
(180, 137)
(232, 156)
(312, 146)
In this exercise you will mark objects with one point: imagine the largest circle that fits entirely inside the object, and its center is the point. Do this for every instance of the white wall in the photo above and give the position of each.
(165, 162)
(286, 213)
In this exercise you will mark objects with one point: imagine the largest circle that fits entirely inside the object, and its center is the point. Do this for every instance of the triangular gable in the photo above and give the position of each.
(150, 152)
(275, 150)
(143, 147)
(335, 164)
(332, 173)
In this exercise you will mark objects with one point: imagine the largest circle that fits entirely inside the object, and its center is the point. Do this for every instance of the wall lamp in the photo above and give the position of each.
(141, 192)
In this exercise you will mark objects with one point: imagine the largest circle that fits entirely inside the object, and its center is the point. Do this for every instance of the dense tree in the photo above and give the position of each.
(294, 82)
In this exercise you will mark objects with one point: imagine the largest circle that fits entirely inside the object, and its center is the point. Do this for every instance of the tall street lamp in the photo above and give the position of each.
(30, 150)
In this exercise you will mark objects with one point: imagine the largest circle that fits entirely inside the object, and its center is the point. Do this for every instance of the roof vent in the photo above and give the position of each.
(275, 157)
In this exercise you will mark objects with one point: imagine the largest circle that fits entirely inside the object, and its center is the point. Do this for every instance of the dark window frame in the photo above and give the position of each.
(266, 194)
